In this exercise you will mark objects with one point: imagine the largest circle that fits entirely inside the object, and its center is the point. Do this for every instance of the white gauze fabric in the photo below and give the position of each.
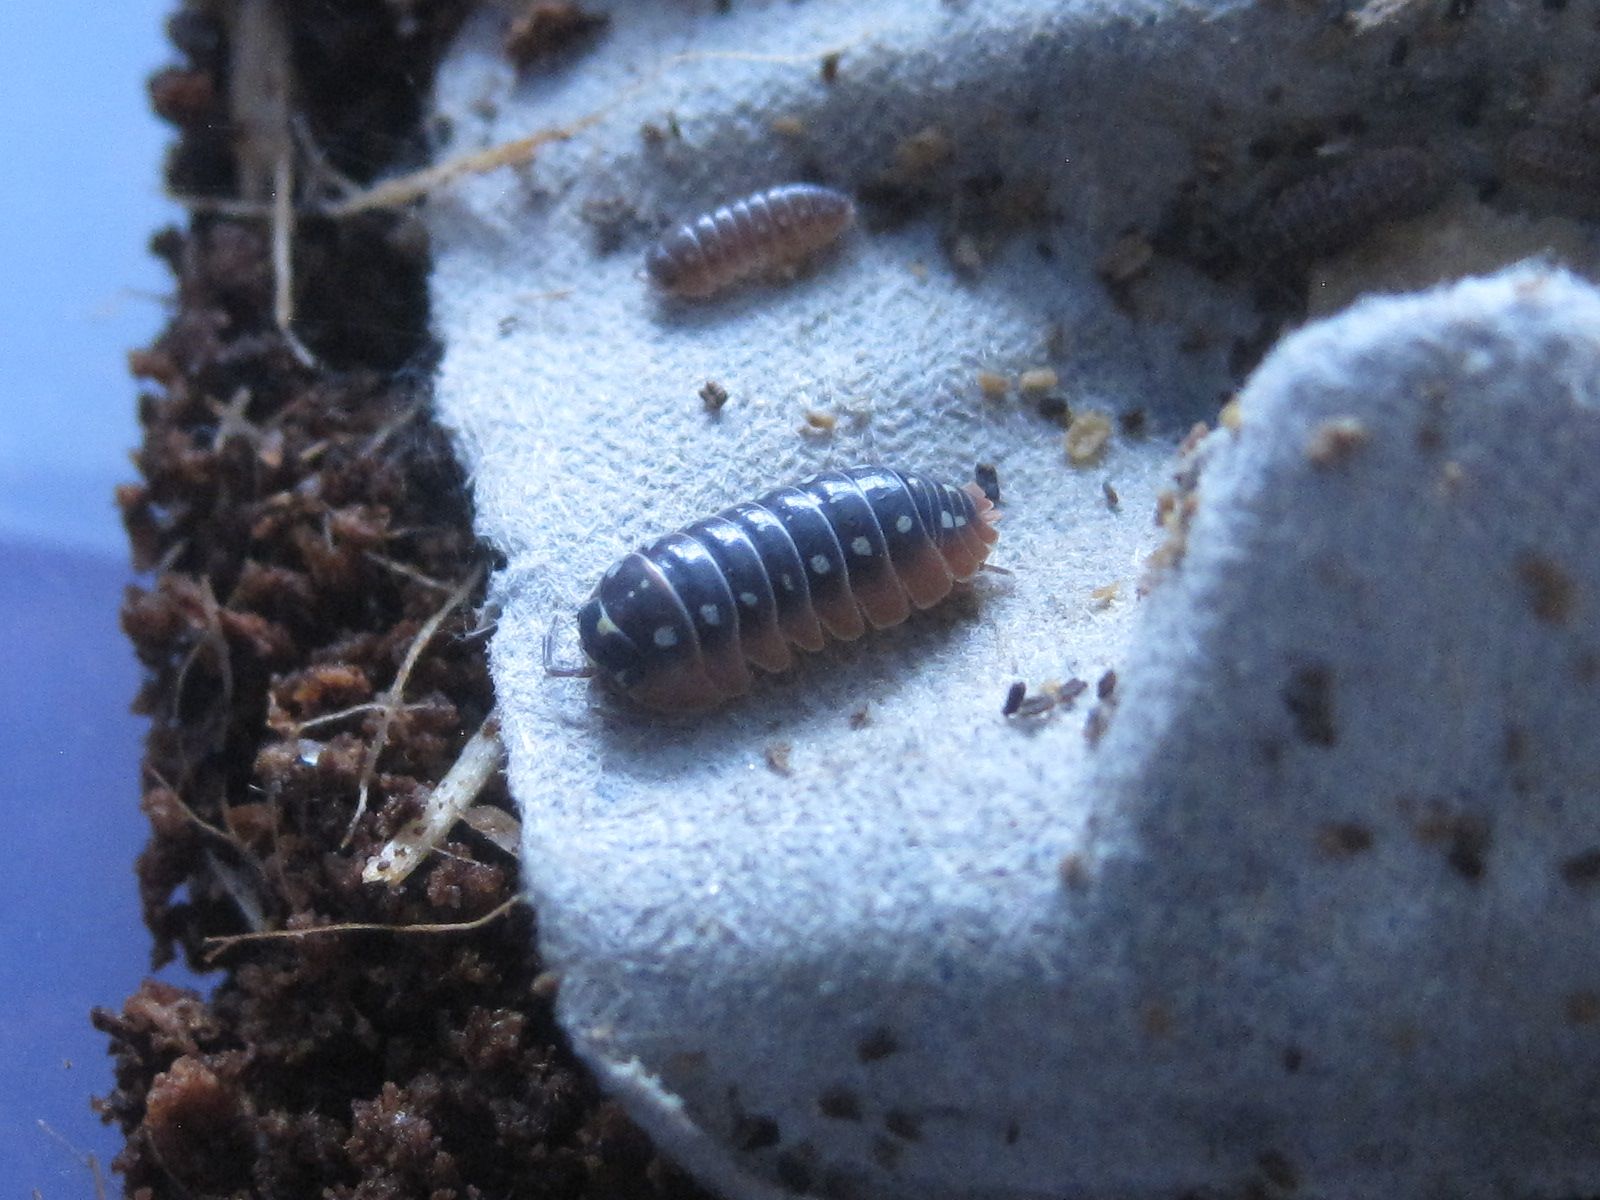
(1314, 912)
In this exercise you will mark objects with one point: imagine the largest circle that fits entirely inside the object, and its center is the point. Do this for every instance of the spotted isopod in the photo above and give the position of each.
(676, 624)
(759, 234)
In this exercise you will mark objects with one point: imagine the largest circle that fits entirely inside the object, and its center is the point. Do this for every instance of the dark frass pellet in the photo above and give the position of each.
(988, 480)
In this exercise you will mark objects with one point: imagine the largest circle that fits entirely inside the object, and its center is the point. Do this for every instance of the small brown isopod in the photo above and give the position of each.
(1334, 209)
(676, 624)
(1553, 157)
(760, 234)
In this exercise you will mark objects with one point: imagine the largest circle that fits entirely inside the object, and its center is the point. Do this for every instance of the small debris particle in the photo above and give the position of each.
(1309, 698)
(818, 423)
(1375, 14)
(839, 1104)
(993, 385)
(548, 27)
(1086, 438)
(546, 984)
(183, 96)
(755, 1132)
(1343, 839)
(1583, 1008)
(1192, 439)
(1071, 690)
(861, 718)
(1054, 408)
(1113, 501)
(988, 480)
(1096, 724)
(965, 253)
(614, 219)
(886, 1153)
(788, 126)
(1125, 258)
(1013, 1132)
(1279, 1171)
(830, 67)
(903, 1125)
(1075, 875)
(1103, 595)
(1133, 423)
(879, 1044)
(1469, 843)
(1293, 1059)
(792, 1173)
(1040, 702)
(777, 755)
(1336, 442)
(1155, 1018)
(1549, 590)
(713, 395)
(1229, 417)
(1014, 695)
(1037, 381)
(1582, 870)
(1107, 686)
(923, 152)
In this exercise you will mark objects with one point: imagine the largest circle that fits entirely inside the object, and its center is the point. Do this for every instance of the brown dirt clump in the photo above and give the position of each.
(303, 522)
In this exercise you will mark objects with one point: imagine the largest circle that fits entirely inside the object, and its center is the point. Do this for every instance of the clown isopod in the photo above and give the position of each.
(678, 623)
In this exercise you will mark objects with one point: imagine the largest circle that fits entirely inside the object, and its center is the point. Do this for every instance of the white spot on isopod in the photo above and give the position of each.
(820, 564)
(710, 615)
(605, 626)
(748, 599)
(903, 524)
(960, 521)
(945, 521)
(666, 636)
(788, 582)
(862, 547)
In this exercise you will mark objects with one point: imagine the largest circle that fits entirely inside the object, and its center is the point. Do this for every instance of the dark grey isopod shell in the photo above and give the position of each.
(674, 625)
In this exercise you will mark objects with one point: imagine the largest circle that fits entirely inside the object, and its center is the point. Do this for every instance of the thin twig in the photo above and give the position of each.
(479, 759)
(410, 572)
(87, 1157)
(392, 698)
(217, 945)
(392, 193)
(283, 220)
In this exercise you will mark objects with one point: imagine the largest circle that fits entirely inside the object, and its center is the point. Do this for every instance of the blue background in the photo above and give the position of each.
(81, 157)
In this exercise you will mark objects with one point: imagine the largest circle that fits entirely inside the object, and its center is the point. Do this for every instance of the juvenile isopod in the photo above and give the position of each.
(1334, 209)
(677, 624)
(1554, 157)
(760, 234)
